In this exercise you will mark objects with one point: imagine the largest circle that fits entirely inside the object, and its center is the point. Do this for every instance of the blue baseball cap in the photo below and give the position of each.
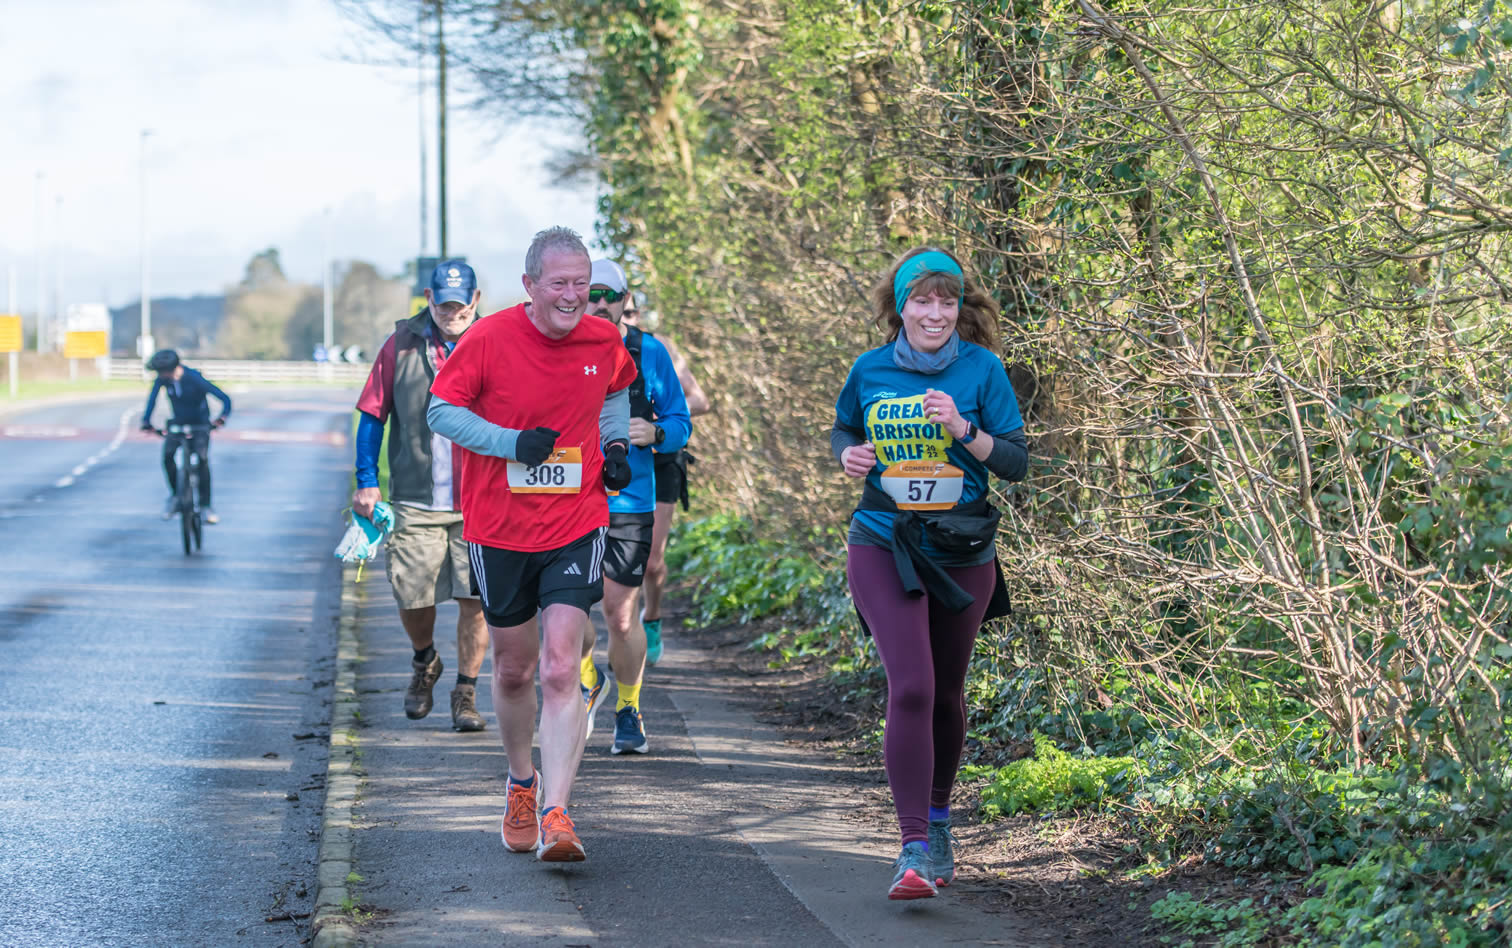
(453, 282)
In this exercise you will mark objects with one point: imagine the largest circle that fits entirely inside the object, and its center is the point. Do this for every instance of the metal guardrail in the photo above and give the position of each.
(230, 371)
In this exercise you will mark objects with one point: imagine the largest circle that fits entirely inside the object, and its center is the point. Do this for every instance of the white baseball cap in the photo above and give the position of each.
(608, 273)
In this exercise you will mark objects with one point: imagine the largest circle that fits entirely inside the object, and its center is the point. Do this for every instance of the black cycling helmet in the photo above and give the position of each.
(163, 360)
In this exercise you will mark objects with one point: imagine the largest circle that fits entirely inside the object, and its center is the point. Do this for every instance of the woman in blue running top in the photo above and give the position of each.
(923, 420)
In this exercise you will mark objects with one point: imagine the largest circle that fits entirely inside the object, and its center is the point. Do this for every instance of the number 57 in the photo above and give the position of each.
(921, 490)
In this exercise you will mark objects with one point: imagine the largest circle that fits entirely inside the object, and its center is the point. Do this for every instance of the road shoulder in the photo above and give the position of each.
(331, 925)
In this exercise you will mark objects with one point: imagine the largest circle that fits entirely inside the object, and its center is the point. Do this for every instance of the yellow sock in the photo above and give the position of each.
(628, 695)
(586, 673)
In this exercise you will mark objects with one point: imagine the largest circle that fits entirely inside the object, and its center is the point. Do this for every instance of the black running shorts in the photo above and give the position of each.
(514, 585)
(629, 547)
(671, 476)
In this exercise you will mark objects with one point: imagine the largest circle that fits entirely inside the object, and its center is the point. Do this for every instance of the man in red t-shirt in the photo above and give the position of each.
(538, 399)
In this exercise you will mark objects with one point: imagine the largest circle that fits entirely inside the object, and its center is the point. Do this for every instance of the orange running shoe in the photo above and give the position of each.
(559, 841)
(521, 827)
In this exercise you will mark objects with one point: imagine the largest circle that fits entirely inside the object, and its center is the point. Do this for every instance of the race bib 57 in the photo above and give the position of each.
(923, 485)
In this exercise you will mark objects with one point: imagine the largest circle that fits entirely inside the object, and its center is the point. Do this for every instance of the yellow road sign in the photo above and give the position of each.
(10, 334)
(85, 345)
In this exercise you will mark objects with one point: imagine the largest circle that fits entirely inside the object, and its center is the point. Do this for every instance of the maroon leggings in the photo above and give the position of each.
(925, 650)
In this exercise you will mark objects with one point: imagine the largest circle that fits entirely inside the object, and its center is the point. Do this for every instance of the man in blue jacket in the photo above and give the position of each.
(188, 399)
(658, 419)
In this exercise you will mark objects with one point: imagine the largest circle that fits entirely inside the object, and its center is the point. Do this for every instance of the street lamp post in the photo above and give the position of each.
(144, 336)
(327, 327)
(59, 326)
(41, 290)
(15, 357)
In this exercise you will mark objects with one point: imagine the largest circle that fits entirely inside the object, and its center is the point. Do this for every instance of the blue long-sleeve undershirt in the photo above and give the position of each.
(463, 427)
(369, 443)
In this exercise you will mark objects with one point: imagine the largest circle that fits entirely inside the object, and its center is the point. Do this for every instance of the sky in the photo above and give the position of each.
(262, 117)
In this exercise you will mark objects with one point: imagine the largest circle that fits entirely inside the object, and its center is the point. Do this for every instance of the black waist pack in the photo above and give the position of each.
(970, 528)
(964, 528)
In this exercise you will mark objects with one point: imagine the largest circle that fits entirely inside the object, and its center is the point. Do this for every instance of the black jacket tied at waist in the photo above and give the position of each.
(965, 528)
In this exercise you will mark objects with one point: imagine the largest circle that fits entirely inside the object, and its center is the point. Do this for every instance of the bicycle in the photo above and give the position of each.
(191, 522)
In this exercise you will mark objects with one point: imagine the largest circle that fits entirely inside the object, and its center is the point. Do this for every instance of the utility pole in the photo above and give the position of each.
(441, 118)
(144, 335)
(420, 59)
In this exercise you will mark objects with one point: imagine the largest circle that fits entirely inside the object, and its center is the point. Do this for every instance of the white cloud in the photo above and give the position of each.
(260, 122)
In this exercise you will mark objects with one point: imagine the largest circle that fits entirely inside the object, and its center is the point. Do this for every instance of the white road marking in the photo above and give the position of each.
(116, 442)
(40, 431)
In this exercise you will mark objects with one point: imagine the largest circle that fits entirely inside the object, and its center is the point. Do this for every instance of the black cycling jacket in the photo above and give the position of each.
(187, 397)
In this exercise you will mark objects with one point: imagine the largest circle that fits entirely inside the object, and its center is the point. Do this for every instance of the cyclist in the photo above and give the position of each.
(188, 400)
(671, 488)
(658, 419)
(427, 557)
(539, 398)
(923, 420)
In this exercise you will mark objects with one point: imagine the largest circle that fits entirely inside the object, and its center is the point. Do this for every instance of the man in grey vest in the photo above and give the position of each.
(427, 557)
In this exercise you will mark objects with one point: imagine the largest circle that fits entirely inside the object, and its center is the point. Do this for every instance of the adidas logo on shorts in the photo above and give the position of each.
(572, 571)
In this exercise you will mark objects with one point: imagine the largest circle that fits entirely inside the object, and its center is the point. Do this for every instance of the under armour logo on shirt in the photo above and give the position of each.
(572, 571)
(590, 370)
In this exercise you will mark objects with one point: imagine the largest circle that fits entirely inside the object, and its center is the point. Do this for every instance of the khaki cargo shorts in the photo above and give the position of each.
(427, 558)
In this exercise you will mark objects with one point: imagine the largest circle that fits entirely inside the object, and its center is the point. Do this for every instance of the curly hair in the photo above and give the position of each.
(979, 312)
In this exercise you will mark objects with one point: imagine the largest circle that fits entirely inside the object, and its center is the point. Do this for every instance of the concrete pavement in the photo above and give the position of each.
(725, 834)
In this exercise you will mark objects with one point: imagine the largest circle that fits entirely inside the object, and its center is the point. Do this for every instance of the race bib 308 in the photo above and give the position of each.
(561, 473)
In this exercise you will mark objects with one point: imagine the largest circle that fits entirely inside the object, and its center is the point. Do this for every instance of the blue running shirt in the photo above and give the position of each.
(887, 403)
(670, 409)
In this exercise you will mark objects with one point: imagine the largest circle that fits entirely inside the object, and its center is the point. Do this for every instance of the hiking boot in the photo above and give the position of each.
(418, 700)
(559, 839)
(465, 716)
(912, 871)
(629, 731)
(942, 852)
(521, 827)
(653, 640)
(593, 698)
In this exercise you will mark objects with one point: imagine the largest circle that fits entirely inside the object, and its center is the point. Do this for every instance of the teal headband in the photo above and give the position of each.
(930, 261)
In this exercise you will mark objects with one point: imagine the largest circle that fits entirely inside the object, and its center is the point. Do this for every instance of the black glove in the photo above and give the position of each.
(616, 465)
(534, 446)
(219, 422)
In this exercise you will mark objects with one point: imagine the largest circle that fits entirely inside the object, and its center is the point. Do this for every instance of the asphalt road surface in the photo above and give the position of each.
(162, 717)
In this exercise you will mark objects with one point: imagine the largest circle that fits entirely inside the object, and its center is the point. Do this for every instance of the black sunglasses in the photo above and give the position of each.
(604, 294)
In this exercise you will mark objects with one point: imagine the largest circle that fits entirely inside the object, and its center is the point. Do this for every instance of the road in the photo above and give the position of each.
(164, 727)
(162, 717)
